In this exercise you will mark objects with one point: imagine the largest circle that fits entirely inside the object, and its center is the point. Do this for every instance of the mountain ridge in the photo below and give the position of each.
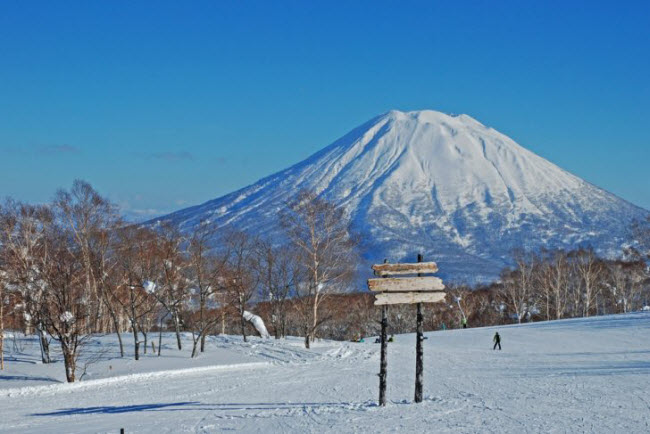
(447, 186)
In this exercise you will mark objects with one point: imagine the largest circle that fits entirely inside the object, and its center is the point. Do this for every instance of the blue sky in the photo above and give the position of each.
(161, 105)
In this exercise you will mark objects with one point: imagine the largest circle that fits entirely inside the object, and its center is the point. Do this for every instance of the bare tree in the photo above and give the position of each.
(137, 262)
(319, 231)
(589, 270)
(171, 285)
(89, 219)
(67, 311)
(205, 270)
(239, 279)
(517, 286)
(23, 239)
(625, 283)
(554, 276)
(278, 275)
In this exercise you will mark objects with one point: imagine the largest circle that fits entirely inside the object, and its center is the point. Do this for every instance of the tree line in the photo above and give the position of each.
(539, 286)
(73, 267)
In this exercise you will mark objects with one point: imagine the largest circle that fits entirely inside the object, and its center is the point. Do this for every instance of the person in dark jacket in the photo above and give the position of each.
(497, 341)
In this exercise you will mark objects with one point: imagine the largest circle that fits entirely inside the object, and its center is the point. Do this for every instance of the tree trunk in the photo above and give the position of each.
(145, 340)
(177, 329)
(202, 322)
(116, 322)
(136, 343)
(70, 364)
(160, 335)
(45, 346)
(223, 321)
(119, 339)
(195, 345)
(243, 325)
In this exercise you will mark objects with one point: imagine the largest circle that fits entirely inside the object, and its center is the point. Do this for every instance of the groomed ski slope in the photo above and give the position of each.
(582, 375)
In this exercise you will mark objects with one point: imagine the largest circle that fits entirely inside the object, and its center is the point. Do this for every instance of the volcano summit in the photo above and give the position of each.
(459, 192)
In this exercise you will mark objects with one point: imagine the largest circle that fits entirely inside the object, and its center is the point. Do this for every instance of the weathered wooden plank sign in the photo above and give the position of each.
(408, 297)
(406, 284)
(405, 290)
(393, 269)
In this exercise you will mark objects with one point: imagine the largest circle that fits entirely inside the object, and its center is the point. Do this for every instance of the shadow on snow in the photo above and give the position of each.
(26, 378)
(194, 405)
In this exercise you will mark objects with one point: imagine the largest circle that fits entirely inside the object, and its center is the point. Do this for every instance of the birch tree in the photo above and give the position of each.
(326, 251)
(205, 270)
(625, 283)
(171, 284)
(277, 268)
(589, 270)
(137, 262)
(517, 286)
(66, 306)
(239, 279)
(23, 230)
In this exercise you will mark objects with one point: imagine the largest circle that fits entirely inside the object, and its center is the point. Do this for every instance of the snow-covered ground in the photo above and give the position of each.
(584, 375)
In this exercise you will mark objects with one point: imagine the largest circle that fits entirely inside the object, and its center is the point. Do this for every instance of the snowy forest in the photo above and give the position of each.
(74, 268)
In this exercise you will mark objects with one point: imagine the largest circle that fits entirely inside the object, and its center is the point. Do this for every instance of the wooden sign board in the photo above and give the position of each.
(406, 284)
(391, 269)
(408, 297)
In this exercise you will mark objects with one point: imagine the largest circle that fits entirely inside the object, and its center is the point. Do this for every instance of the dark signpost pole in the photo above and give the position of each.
(383, 367)
(419, 353)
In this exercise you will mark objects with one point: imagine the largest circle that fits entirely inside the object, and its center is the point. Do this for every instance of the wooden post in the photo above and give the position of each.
(383, 367)
(419, 353)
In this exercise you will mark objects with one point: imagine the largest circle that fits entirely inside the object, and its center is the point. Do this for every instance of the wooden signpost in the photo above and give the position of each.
(405, 290)
(408, 298)
(408, 285)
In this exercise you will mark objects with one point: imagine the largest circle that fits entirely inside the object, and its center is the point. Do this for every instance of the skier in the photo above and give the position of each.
(464, 323)
(497, 341)
(391, 338)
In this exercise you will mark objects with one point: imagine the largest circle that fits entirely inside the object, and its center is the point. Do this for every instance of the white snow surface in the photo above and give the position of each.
(449, 187)
(581, 375)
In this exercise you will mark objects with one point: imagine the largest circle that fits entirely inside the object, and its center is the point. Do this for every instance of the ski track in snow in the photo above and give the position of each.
(583, 375)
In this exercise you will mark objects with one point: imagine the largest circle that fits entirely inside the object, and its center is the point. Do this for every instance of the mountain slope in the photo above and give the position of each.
(463, 194)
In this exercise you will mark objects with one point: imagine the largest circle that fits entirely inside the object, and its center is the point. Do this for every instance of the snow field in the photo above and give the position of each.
(581, 375)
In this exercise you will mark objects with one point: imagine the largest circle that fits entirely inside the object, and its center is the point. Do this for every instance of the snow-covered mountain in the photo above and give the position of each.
(462, 193)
